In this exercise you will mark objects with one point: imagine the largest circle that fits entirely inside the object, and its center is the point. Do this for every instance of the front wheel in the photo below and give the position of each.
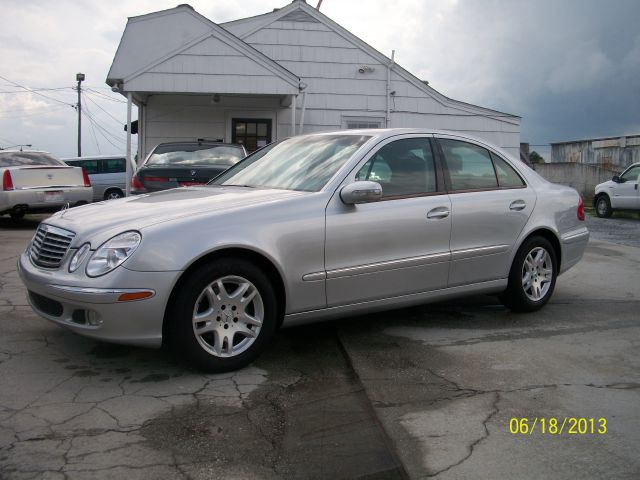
(224, 315)
(532, 278)
(603, 207)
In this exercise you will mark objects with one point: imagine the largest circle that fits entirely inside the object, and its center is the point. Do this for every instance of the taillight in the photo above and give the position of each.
(136, 184)
(156, 179)
(580, 209)
(85, 177)
(7, 181)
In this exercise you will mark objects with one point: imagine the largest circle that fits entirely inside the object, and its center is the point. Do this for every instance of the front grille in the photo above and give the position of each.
(49, 245)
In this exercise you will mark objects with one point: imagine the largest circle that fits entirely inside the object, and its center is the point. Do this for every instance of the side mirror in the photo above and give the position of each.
(361, 192)
(615, 179)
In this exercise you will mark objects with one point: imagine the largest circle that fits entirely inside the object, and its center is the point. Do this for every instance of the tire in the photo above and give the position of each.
(532, 277)
(113, 194)
(15, 216)
(223, 316)
(603, 207)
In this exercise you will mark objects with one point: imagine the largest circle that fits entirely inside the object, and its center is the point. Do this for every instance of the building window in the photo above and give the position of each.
(362, 122)
(253, 133)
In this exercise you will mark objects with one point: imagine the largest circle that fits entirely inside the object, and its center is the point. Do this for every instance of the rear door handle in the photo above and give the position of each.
(518, 205)
(438, 212)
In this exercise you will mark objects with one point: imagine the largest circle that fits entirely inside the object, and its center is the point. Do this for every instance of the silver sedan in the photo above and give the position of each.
(313, 227)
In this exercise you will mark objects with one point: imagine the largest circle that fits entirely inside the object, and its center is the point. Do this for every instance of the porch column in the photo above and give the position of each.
(294, 99)
(128, 166)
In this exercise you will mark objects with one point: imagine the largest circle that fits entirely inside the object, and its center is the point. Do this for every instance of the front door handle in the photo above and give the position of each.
(438, 212)
(518, 205)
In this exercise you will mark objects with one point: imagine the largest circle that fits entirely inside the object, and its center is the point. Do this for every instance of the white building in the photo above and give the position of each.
(266, 77)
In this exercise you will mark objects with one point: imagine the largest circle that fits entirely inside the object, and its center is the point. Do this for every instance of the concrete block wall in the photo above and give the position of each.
(583, 178)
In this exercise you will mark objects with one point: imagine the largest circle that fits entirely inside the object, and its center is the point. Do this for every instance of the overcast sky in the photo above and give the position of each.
(570, 69)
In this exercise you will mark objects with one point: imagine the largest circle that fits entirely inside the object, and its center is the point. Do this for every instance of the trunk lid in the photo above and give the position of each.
(46, 177)
(163, 178)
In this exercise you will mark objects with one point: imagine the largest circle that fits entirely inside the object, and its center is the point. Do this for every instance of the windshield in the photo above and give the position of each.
(17, 159)
(300, 163)
(191, 155)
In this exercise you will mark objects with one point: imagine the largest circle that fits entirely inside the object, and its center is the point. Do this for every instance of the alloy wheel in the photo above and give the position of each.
(228, 316)
(537, 274)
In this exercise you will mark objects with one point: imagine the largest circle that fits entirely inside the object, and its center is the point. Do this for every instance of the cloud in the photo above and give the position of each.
(570, 68)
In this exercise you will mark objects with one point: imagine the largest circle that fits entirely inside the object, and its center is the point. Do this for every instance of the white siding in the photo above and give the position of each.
(171, 118)
(140, 46)
(210, 66)
(328, 63)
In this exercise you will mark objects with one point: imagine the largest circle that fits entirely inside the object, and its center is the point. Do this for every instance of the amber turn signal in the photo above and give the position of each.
(128, 297)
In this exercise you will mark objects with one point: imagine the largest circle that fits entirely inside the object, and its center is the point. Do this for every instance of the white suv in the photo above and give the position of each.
(619, 193)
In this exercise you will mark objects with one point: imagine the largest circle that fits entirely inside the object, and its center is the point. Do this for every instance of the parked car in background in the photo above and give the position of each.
(620, 193)
(34, 182)
(313, 227)
(107, 174)
(179, 164)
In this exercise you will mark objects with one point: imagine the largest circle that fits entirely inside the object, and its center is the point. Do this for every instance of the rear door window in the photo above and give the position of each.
(469, 166)
(113, 165)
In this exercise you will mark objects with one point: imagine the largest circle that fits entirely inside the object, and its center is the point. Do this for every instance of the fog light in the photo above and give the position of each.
(93, 319)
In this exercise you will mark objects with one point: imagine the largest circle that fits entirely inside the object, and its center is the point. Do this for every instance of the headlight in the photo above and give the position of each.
(112, 253)
(79, 257)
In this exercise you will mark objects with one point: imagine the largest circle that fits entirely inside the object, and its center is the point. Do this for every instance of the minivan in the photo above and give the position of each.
(107, 174)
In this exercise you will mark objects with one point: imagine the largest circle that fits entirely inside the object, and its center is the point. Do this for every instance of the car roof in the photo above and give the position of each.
(93, 157)
(204, 142)
(16, 150)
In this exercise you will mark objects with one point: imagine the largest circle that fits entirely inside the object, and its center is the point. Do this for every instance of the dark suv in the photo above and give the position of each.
(180, 164)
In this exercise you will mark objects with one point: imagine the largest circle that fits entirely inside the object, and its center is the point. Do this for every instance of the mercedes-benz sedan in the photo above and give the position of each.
(313, 227)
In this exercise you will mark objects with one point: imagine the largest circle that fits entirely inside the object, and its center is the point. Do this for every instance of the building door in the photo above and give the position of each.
(253, 133)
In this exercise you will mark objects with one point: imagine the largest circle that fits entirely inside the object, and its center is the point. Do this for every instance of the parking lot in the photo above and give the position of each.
(426, 392)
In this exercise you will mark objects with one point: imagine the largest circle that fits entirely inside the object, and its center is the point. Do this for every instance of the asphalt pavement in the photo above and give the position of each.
(426, 392)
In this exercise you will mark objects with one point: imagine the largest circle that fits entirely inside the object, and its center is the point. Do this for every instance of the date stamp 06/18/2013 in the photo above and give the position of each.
(558, 426)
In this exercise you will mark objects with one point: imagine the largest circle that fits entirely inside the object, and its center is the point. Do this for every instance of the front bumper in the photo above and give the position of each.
(90, 307)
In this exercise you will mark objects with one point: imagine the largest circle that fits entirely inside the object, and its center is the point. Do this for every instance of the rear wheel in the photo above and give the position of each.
(113, 194)
(15, 216)
(532, 278)
(603, 207)
(224, 315)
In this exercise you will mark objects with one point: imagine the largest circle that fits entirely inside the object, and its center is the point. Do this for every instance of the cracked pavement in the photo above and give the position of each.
(425, 392)
(446, 379)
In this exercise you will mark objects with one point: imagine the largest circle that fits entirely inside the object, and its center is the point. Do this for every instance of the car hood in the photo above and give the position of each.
(608, 183)
(108, 218)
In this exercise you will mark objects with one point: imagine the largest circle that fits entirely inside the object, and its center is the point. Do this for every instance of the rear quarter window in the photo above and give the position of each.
(507, 176)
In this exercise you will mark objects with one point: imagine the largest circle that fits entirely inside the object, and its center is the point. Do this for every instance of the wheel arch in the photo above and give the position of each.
(551, 237)
(261, 261)
(110, 189)
(598, 195)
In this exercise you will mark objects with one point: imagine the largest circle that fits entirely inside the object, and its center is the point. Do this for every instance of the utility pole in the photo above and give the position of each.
(79, 78)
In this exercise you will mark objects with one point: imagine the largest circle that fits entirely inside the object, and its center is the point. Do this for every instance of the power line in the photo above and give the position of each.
(103, 130)
(92, 122)
(39, 112)
(102, 95)
(7, 141)
(36, 92)
(93, 131)
(119, 122)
